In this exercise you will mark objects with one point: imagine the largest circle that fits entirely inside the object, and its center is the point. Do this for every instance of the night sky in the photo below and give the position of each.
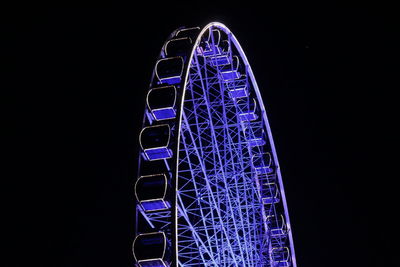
(75, 87)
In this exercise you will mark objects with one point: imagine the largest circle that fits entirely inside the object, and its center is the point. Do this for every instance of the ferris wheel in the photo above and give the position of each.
(209, 190)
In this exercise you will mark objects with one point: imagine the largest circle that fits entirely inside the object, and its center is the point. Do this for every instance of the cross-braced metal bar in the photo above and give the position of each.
(225, 204)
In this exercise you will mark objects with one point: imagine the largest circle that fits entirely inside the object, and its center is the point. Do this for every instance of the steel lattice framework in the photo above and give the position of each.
(209, 190)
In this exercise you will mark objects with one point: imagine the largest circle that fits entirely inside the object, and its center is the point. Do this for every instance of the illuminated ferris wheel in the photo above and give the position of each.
(209, 190)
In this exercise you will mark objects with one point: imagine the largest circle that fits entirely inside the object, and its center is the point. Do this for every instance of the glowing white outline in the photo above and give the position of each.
(148, 200)
(174, 40)
(275, 197)
(152, 233)
(242, 88)
(173, 106)
(284, 229)
(165, 59)
(265, 119)
(266, 123)
(288, 254)
(186, 29)
(144, 149)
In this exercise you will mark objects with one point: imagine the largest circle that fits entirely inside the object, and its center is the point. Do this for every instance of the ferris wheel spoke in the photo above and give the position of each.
(217, 152)
(235, 150)
(199, 241)
(209, 190)
(194, 200)
(211, 194)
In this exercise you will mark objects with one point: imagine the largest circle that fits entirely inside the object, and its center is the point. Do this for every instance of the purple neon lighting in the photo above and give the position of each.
(223, 164)
(164, 113)
(248, 116)
(256, 142)
(220, 60)
(230, 75)
(171, 80)
(152, 205)
(158, 153)
(210, 50)
(152, 263)
(238, 92)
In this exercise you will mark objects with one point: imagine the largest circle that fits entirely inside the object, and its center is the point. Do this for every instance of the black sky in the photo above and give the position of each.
(75, 85)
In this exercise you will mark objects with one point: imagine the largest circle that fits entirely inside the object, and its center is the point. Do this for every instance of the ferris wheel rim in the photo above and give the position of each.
(179, 121)
(263, 111)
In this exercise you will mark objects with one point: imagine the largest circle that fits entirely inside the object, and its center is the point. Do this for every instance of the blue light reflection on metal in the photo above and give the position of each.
(238, 92)
(158, 153)
(164, 113)
(171, 80)
(154, 205)
(220, 60)
(230, 75)
(227, 206)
